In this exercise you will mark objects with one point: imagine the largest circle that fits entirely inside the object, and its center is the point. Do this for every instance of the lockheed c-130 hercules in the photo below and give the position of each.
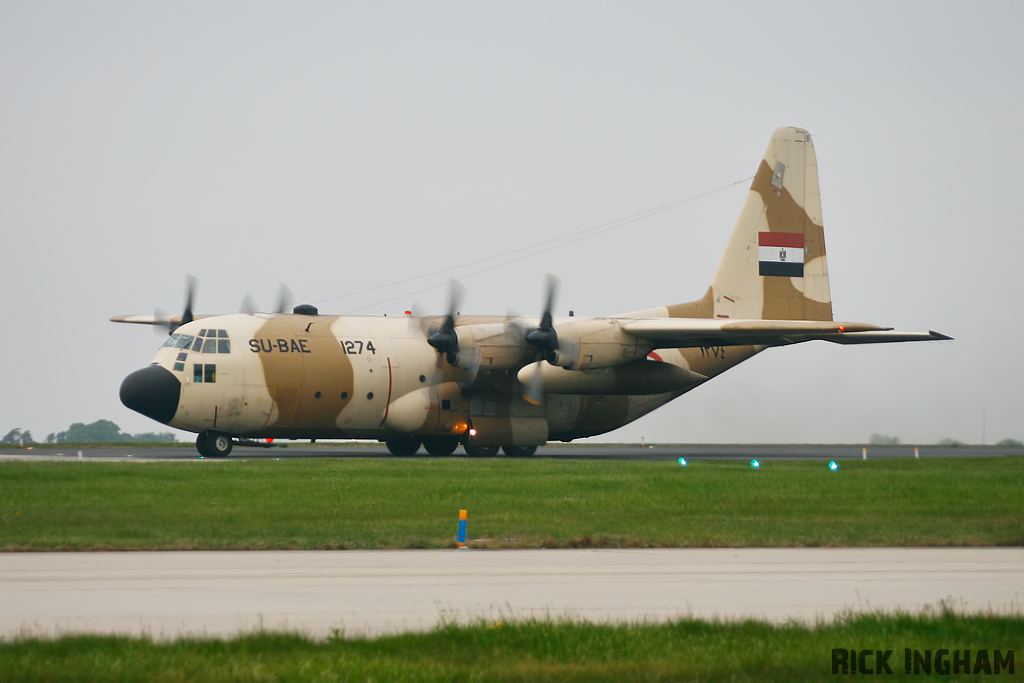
(502, 381)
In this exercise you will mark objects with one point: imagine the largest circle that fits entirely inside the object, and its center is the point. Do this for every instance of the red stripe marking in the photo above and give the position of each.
(729, 298)
(656, 357)
(387, 408)
(780, 239)
(722, 316)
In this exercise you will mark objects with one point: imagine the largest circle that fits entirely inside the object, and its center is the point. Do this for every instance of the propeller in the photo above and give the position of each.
(444, 338)
(284, 302)
(190, 290)
(165, 321)
(545, 340)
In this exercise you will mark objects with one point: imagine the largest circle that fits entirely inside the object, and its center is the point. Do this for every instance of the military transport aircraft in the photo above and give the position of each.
(502, 381)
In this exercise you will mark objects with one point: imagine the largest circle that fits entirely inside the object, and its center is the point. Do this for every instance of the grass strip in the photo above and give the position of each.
(414, 503)
(531, 650)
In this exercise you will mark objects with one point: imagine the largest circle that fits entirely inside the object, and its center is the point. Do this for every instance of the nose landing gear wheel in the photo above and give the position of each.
(213, 444)
(440, 445)
(519, 451)
(481, 451)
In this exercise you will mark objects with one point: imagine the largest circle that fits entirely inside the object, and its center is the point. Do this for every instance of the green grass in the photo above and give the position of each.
(519, 651)
(414, 503)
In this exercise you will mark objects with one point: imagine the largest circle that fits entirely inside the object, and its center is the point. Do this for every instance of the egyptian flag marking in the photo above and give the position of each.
(781, 254)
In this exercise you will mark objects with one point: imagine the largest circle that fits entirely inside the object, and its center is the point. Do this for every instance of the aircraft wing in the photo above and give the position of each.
(693, 332)
(152, 319)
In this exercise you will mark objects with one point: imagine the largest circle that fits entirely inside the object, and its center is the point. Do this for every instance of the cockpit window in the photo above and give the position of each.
(208, 341)
(204, 372)
(179, 341)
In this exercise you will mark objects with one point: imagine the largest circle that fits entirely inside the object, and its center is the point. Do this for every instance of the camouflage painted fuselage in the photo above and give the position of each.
(305, 377)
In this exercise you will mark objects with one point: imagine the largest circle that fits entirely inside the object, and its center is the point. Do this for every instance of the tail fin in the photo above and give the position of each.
(774, 267)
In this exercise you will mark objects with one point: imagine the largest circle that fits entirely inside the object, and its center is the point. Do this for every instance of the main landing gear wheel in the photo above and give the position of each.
(404, 445)
(481, 451)
(440, 445)
(519, 451)
(213, 444)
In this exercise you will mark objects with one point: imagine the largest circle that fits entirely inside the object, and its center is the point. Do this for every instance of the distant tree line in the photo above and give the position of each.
(100, 431)
(886, 440)
(16, 435)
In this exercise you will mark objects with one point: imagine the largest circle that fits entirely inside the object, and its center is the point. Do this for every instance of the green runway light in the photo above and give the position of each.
(832, 465)
(755, 464)
(682, 461)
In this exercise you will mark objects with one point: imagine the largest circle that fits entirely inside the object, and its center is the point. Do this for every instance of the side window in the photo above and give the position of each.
(223, 346)
(210, 346)
(197, 375)
(198, 346)
(211, 373)
(223, 334)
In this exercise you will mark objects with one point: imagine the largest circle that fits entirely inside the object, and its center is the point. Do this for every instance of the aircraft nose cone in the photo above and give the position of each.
(152, 391)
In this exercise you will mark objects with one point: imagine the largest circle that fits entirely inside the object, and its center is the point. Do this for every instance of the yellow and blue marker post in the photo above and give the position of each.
(462, 528)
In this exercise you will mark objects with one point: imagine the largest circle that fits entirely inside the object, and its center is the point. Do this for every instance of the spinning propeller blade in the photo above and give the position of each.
(166, 321)
(444, 338)
(545, 340)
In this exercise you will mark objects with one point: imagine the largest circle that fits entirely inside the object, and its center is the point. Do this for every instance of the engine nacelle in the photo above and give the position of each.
(438, 409)
(599, 343)
(491, 346)
(632, 379)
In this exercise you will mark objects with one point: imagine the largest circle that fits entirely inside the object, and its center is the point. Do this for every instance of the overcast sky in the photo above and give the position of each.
(341, 146)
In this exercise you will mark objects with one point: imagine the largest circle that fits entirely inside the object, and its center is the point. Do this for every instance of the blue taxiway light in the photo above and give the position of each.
(755, 464)
(832, 465)
(682, 461)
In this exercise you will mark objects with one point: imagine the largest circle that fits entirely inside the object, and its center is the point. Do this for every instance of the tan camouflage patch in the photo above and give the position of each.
(309, 389)
(783, 301)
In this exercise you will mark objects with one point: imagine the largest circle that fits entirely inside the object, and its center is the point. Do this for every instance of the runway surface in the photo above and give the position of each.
(170, 594)
(562, 452)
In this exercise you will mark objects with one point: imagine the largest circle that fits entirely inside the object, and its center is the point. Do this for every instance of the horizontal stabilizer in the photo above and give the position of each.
(694, 332)
(888, 336)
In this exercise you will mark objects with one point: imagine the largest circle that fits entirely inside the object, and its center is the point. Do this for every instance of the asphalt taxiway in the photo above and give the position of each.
(171, 594)
(766, 452)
